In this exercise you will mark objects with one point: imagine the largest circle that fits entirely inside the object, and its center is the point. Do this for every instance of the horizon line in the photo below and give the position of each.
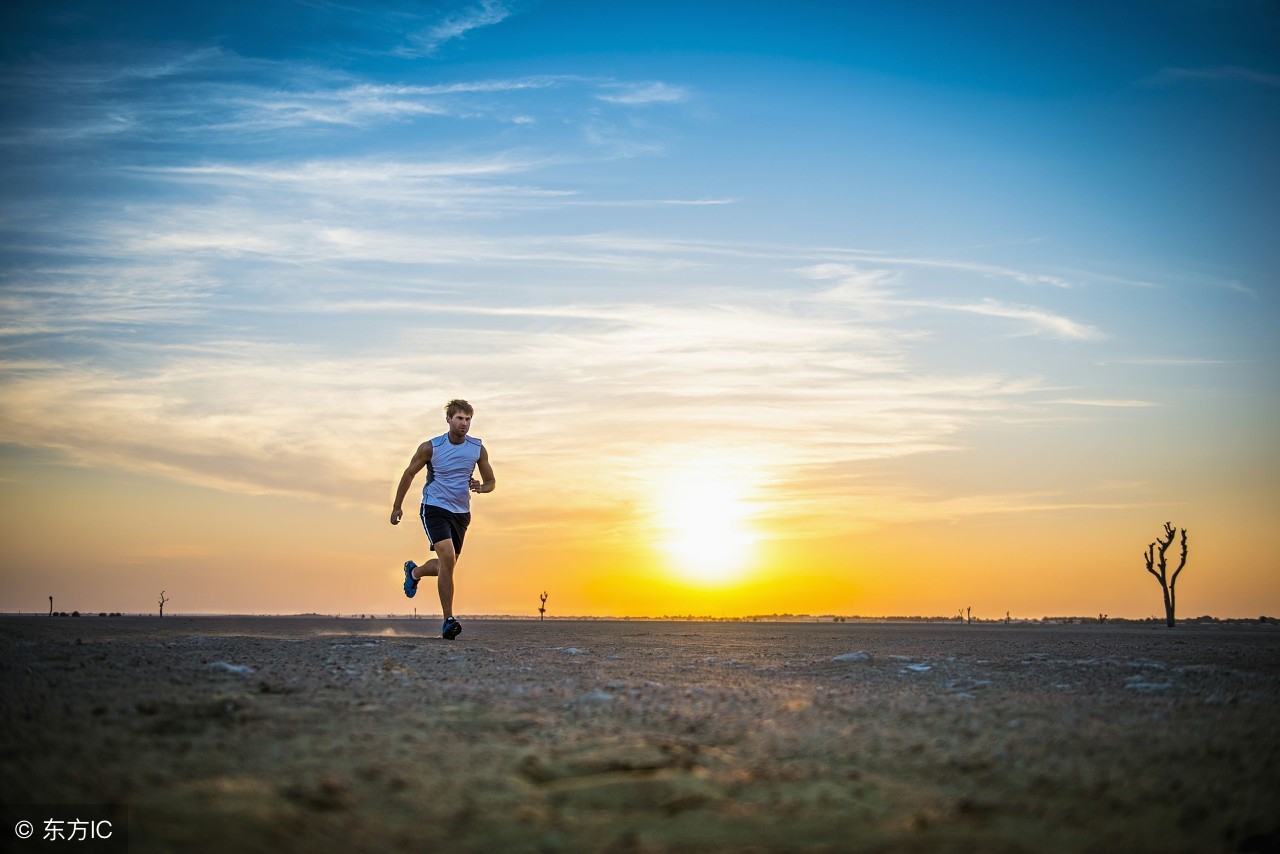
(684, 618)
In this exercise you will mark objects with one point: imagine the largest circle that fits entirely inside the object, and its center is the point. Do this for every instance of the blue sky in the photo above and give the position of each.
(973, 262)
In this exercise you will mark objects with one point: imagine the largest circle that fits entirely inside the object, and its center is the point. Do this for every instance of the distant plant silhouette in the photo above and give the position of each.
(50, 606)
(542, 609)
(163, 599)
(1157, 565)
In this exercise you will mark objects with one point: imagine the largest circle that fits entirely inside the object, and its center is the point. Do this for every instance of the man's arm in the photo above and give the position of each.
(420, 459)
(486, 472)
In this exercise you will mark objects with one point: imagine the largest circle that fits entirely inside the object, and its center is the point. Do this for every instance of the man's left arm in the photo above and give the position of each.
(486, 472)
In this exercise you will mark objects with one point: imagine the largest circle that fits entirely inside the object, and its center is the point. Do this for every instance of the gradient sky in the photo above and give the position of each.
(763, 307)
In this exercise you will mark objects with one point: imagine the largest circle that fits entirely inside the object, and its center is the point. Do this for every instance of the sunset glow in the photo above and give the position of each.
(704, 529)
(824, 309)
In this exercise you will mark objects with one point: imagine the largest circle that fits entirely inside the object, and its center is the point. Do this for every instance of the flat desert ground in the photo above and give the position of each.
(319, 734)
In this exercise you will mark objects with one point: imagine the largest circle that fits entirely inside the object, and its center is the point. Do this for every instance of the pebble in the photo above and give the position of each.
(225, 667)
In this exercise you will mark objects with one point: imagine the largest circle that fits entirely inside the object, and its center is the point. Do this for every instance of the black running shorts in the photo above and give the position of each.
(441, 524)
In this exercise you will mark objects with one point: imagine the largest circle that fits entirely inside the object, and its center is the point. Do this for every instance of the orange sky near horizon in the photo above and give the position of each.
(218, 552)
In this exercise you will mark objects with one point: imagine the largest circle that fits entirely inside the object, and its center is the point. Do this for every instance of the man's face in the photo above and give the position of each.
(459, 423)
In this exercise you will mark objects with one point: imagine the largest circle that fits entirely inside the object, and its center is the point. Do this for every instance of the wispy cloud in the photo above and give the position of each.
(317, 174)
(1106, 403)
(953, 509)
(640, 203)
(1037, 321)
(1233, 285)
(871, 290)
(228, 99)
(853, 283)
(992, 270)
(487, 13)
(359, 105)
(639, 94)
(167, 67)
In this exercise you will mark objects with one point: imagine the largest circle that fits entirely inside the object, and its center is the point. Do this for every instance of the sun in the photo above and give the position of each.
(705, 531)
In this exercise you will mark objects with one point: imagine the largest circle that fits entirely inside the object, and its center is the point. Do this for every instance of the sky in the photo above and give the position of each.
(854, 309)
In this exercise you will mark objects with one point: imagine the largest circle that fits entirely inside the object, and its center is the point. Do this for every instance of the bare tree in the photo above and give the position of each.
(163, 599)
(542, 609)
(1158, 566)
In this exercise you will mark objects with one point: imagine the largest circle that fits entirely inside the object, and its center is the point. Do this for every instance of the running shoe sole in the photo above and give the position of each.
(451, 629)
(410, 583)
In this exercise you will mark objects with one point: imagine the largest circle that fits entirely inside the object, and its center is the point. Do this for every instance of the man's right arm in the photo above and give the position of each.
(420, 459)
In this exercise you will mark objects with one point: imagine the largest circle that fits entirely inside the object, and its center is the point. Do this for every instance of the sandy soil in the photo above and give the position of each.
(264, 734)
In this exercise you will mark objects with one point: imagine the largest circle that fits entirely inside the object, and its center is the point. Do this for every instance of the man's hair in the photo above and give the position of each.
(453, 407)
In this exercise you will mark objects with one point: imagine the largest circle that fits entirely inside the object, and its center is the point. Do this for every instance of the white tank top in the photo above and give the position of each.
(449, 473)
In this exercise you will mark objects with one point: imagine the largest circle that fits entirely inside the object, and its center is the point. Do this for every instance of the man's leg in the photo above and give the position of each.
(431, 568)
(442, 568)
(446, 559)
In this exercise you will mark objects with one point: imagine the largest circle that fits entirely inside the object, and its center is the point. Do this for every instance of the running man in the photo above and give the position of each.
(449, 460)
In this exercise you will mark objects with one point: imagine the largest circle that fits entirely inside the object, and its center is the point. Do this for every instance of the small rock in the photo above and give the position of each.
(235, 669)
(1148, 687)
(594, 699)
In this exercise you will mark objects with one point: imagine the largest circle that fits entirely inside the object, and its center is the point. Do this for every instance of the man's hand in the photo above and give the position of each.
(396, 515)
(478, 487)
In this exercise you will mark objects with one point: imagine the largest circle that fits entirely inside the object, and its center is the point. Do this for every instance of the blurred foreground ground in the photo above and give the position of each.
(268, 734)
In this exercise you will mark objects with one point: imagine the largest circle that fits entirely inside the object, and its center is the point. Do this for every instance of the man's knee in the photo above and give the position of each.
(446, 554)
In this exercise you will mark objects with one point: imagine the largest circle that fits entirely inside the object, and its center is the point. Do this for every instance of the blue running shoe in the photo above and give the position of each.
(451, 629)
(410, 583)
